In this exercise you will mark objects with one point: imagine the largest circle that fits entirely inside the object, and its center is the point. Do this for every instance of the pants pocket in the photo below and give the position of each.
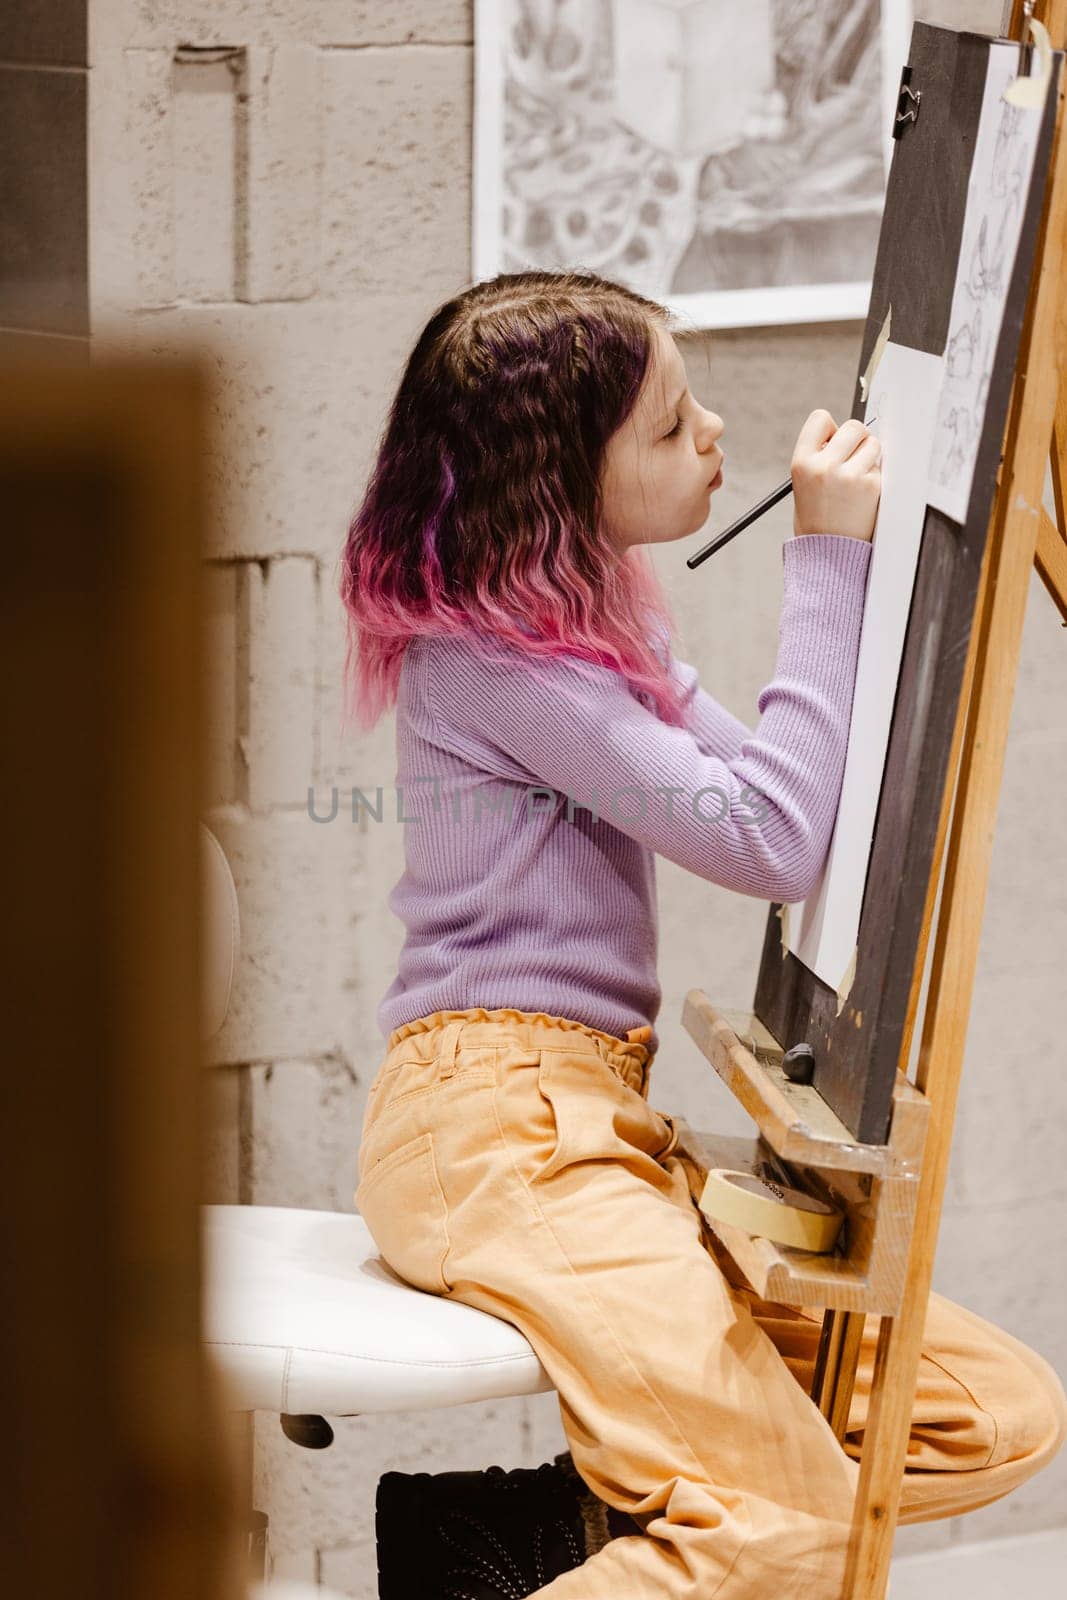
(595, 1116)
(673, 1133)
(401, 1200)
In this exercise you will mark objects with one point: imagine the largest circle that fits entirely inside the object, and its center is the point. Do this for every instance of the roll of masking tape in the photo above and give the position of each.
(759, 1206)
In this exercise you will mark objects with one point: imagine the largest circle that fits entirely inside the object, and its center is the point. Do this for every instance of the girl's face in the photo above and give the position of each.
(660, 467)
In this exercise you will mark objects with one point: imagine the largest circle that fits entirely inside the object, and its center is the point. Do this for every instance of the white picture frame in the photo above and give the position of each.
(561, 180)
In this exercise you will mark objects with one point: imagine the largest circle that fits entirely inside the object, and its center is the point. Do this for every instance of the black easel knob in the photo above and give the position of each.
(798, 1064)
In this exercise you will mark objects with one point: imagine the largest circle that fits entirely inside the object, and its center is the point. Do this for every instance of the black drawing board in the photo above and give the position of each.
(858, 1051)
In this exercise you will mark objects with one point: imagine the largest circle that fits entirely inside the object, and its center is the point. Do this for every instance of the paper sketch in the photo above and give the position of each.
(823, 929)
(996, 194)
(728, 160)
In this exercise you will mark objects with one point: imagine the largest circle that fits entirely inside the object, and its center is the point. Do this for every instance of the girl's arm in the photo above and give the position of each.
(758, 819)
(716, 730)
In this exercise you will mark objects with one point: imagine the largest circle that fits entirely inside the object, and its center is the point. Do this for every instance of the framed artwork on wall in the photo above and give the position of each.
(728, 159)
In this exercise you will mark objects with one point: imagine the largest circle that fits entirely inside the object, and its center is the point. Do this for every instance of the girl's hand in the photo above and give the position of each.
(837, 478)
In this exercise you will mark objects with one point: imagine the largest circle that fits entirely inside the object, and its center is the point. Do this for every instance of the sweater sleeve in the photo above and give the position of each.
(752, 811)
(716, 730)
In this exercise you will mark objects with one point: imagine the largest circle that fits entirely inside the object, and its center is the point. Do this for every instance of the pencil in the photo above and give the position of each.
(735, 528)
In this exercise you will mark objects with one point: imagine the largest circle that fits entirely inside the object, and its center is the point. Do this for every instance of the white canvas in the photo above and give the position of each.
(822, 930)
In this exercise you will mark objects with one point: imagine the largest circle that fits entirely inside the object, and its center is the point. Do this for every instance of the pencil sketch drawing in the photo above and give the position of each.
(996, 193)
(687, 148)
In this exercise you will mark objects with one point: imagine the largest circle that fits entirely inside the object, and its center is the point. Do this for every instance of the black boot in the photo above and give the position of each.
(490, 1535)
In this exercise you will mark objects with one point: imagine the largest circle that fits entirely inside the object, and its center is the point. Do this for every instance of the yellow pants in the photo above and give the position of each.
(511, 1160)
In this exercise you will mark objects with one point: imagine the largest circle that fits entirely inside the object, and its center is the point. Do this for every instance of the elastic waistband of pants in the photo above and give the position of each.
(534, 1030)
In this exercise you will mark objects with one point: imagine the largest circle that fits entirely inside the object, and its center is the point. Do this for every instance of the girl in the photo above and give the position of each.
(549, 745)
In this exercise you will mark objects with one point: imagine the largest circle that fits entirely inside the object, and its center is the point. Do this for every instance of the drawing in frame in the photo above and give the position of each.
(598, 146)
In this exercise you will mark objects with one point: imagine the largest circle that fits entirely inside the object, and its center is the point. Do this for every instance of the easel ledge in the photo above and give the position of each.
(876, 1185)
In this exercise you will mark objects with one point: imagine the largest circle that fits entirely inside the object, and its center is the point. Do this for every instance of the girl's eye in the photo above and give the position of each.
(674, 430)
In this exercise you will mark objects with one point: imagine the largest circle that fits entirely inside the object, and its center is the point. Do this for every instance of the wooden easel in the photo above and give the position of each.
(892, 1194)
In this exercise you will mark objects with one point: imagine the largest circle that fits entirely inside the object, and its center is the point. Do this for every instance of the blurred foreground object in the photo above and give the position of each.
(122, 1482)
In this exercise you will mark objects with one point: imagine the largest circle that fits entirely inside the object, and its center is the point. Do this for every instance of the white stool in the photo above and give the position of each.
(300, 1312)
(307, 1320)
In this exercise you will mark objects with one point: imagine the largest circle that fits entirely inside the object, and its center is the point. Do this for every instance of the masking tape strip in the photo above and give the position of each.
(876, 356)
(844, 988)
(1031, 91)
(788, 1216)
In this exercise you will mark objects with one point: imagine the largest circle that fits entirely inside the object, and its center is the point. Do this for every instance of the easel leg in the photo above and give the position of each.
(984, 712)
(1059, 426)
(1058, 454)
(835, 1366)
(1051, 556)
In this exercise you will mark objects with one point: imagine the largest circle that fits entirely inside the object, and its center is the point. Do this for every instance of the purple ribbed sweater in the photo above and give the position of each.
(530, 876)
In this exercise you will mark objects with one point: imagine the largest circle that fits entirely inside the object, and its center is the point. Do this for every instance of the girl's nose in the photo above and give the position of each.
(714, 427)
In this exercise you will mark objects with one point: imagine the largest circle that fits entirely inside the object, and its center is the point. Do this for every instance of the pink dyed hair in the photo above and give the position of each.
(484, 503)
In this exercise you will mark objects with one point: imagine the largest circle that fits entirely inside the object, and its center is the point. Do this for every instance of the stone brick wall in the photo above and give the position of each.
(44, 266)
